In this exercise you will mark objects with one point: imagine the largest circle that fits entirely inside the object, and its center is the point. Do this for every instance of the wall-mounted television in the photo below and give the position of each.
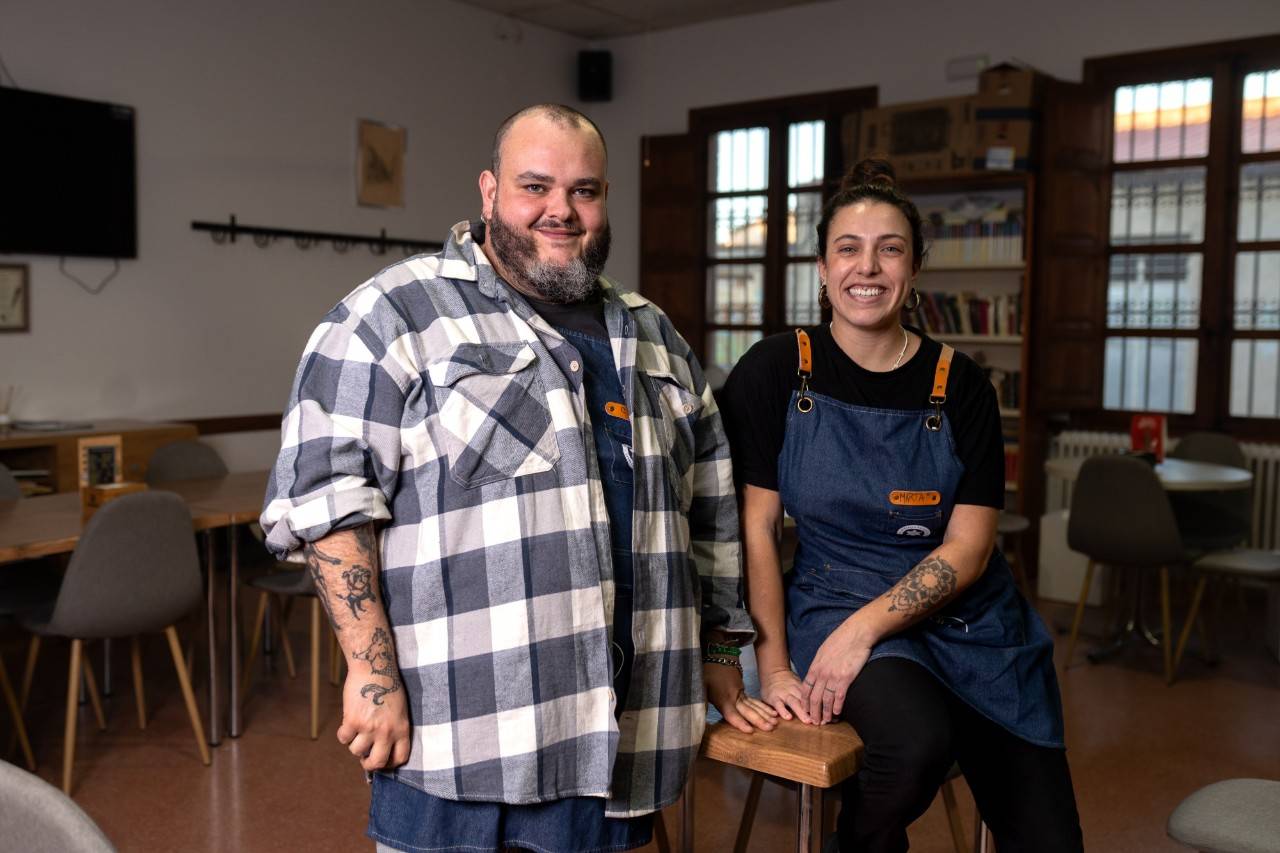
(67, 176)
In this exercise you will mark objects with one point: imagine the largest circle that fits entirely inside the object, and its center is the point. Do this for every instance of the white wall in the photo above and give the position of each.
(250, 108)
(901, 47)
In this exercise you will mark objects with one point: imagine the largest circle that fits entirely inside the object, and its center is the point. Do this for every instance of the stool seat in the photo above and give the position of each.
(1242, 561)
(822, 756)
(1232, 816)
(1011, 522)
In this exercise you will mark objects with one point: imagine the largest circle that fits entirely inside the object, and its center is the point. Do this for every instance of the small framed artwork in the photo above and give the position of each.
(380, 164)
(15, 298)
(101, 460)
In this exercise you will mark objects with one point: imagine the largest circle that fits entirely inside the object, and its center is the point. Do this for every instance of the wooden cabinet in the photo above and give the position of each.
(53, 452)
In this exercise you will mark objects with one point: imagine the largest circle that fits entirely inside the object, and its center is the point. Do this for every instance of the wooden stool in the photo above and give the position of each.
(814, 757)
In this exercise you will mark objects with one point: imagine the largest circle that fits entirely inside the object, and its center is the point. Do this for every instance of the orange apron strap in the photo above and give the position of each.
(804, 403)
(940, 375)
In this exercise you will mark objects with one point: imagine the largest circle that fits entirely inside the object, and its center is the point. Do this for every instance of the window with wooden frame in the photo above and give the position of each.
(1192, 306)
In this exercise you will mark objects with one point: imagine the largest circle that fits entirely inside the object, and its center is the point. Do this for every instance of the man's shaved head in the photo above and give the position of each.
(557, 114)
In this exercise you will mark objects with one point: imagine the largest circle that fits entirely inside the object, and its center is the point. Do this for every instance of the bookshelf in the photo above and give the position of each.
(974, 288)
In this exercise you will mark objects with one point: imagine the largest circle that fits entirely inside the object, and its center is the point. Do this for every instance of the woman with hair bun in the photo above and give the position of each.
(900, 615)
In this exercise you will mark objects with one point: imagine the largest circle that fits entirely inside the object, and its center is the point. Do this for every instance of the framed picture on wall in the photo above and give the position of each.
(15, 298)
(380, 164)
(101, 460)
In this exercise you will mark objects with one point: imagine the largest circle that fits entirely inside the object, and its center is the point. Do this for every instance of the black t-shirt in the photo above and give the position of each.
(754, 404)
(586, 316)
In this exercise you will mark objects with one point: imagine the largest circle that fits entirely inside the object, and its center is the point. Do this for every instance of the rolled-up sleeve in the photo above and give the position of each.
(340, 444)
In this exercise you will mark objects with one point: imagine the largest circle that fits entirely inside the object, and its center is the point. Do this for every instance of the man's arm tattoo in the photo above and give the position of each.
(382, 661)
(315, 557)
(358, 578)
(359, 582)
(923, 588)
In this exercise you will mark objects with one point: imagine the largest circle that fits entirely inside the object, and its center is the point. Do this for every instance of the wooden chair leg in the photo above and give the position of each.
(19, 728)
(282, 635)
(1192, 618)
(982, 840)
(139, 694)
(660, 837)
(315, 668)
(1165, 622)
(188, 695)
(91, 687)
(73, 704)
(953, 816)
(24, 690)
(254, 639)
(1075, 622)
(748, 814)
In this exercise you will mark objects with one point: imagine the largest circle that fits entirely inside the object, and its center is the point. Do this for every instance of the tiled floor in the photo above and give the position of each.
(1136, 748)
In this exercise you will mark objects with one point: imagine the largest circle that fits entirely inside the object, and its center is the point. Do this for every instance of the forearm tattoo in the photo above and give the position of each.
(315, 556)
(382, 661)
(923, 588)
(358, 579)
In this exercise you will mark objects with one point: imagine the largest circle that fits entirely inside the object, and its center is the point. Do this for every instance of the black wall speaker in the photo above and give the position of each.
(595, 75)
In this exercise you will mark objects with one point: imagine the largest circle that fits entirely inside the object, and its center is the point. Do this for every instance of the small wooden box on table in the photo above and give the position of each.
(814, 757)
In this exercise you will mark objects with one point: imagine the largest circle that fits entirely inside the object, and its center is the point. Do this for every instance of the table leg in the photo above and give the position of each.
(215, 710)
(233, 634)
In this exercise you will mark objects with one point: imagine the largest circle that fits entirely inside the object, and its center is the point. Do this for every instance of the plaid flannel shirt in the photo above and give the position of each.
(433, 401)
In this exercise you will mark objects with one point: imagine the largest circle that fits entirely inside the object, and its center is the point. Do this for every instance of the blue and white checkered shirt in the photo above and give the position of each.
(433, 401)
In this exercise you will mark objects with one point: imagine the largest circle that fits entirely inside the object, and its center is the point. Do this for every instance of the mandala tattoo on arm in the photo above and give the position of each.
(382, 661)
(923, 588)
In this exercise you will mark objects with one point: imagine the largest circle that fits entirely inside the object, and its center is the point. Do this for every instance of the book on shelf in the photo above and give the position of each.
(998, 315)
(1007, 384)
(980, 228)
(1012, 461)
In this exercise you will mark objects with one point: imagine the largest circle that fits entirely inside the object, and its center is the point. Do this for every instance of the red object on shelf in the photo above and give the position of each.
(1148, 433)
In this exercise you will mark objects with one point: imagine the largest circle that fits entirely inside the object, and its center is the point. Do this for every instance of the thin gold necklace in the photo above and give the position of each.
(905, 342)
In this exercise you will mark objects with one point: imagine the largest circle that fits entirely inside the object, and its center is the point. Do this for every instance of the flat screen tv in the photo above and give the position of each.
(67, 176)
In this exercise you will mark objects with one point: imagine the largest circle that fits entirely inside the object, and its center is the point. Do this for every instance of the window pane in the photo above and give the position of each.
(805, 150)
(1257, 291)
(1154, 292)
(739, 160)
(1150, 374)
(1165, 206)
(1260, 200)
(802, 295)
(727, 346)
(803, 212)
(1162, 121)
(738, 227)
(1261, 130)
(1255, 379)
(735, 293)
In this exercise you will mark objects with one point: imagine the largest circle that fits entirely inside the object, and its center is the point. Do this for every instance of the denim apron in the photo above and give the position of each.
(871, 491)
(404, 818)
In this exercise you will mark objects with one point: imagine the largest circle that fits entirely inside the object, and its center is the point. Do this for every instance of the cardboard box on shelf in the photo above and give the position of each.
(1006, 111)
(1011, 86)
(922, 139)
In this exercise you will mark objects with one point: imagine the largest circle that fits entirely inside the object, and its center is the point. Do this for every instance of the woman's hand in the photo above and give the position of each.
(839, 660)
(725, 691)
(783, 691)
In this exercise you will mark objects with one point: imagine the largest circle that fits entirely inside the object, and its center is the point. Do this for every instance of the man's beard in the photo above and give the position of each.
(564, 283)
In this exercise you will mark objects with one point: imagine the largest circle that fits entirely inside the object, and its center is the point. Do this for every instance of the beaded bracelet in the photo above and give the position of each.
(723, 660)
(722, 649)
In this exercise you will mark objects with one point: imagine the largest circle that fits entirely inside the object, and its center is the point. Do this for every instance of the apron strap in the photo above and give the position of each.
(941, 374)
(804, 403)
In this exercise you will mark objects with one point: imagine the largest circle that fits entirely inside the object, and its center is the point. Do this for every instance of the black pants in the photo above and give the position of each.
(914, 728)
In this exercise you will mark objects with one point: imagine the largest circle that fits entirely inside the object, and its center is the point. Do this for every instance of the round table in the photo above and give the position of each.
(1176, 475)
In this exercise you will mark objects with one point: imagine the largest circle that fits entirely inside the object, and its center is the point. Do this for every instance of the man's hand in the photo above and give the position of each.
(783, 691)
(839, 660)
(375, 722)
(725, 691)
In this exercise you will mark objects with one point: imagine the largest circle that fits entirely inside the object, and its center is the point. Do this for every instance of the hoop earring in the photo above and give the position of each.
(913, 301)
(824, 301)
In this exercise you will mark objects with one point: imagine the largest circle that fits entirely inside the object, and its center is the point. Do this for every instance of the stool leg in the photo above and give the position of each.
(254, 639)
(686, 814)
(748, 814)
(660, 839)
(1075, 622)
(1192, 615)
(953, 816)
(808, 806)
(281, 622)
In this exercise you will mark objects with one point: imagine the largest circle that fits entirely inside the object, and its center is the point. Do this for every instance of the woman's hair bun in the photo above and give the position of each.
(872, 170)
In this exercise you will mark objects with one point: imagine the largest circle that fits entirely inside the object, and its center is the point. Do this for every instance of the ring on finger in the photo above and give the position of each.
(829, 689)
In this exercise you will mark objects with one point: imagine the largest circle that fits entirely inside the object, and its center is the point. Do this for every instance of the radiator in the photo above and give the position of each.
(1263, 459)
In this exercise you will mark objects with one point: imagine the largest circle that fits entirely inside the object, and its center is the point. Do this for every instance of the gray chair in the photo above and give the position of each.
(1232, 816)
(1120, 517)
(21, 592)
(134, 571)
(1209, 521)
(184, 460)
(9, 488)
(1237, 564)
(44, 818)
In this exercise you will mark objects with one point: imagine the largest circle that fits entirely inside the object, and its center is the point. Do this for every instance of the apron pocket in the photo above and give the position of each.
(915, 525)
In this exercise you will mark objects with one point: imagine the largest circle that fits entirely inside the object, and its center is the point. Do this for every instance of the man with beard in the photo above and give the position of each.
(532, 467)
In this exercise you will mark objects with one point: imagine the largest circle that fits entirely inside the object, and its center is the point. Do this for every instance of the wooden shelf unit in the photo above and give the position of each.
(55, 451)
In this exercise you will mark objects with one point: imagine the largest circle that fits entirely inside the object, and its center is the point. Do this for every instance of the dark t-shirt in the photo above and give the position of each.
(586, 316)
(754, 404)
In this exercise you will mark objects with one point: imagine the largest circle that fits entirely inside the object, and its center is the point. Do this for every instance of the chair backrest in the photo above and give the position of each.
(1120, 514)
(1218, 519)
(184, 460)
(9, 488)
(45, 819)
(134, 570)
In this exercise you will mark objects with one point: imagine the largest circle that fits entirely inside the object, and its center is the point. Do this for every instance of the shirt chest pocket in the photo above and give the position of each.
(492, 413)
(675, 411)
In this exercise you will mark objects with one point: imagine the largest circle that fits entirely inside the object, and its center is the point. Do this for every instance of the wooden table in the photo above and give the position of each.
(52, 524)
(1176, 475)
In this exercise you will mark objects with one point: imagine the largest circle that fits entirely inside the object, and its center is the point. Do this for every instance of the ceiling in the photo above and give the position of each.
(603, 19)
